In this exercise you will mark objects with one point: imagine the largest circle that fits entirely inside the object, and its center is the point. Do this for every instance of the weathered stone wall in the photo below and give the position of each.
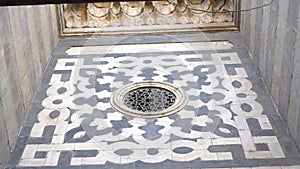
(273, 37)
(27, 36)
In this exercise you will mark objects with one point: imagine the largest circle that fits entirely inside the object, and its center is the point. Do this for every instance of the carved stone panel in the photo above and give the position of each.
(148, 16)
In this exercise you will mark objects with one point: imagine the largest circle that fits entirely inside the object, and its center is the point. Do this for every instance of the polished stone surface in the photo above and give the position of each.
(229, 121)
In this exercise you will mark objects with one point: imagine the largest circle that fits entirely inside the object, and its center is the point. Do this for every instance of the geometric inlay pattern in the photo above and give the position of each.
(228, 120)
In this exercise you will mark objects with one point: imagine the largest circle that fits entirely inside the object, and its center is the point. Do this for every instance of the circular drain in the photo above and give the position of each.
(149, 99)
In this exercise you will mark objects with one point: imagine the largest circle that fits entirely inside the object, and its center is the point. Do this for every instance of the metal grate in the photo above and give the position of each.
(149, 99)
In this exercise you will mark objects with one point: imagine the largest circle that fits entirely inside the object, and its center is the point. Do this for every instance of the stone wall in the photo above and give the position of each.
(273, 37)
(27, 36)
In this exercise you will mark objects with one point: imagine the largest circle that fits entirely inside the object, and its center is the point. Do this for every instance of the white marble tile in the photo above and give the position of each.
(207, 156)
(55, 79)
(264, 122)
(275, 150)
(258, 155)
(76, 161)
(226, 141)
(86, 146)
(265, 139)
(53, 147)
(31, 162)
(224, 156)
(52, 158)
(247, 141)
(148, 47)
(241, 123)
(126, 160)
(29, 151)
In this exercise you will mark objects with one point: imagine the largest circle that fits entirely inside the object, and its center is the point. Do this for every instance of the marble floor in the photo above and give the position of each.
(228, 121)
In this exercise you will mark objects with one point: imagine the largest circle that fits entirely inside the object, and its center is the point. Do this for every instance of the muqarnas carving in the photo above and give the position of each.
(141, 13)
